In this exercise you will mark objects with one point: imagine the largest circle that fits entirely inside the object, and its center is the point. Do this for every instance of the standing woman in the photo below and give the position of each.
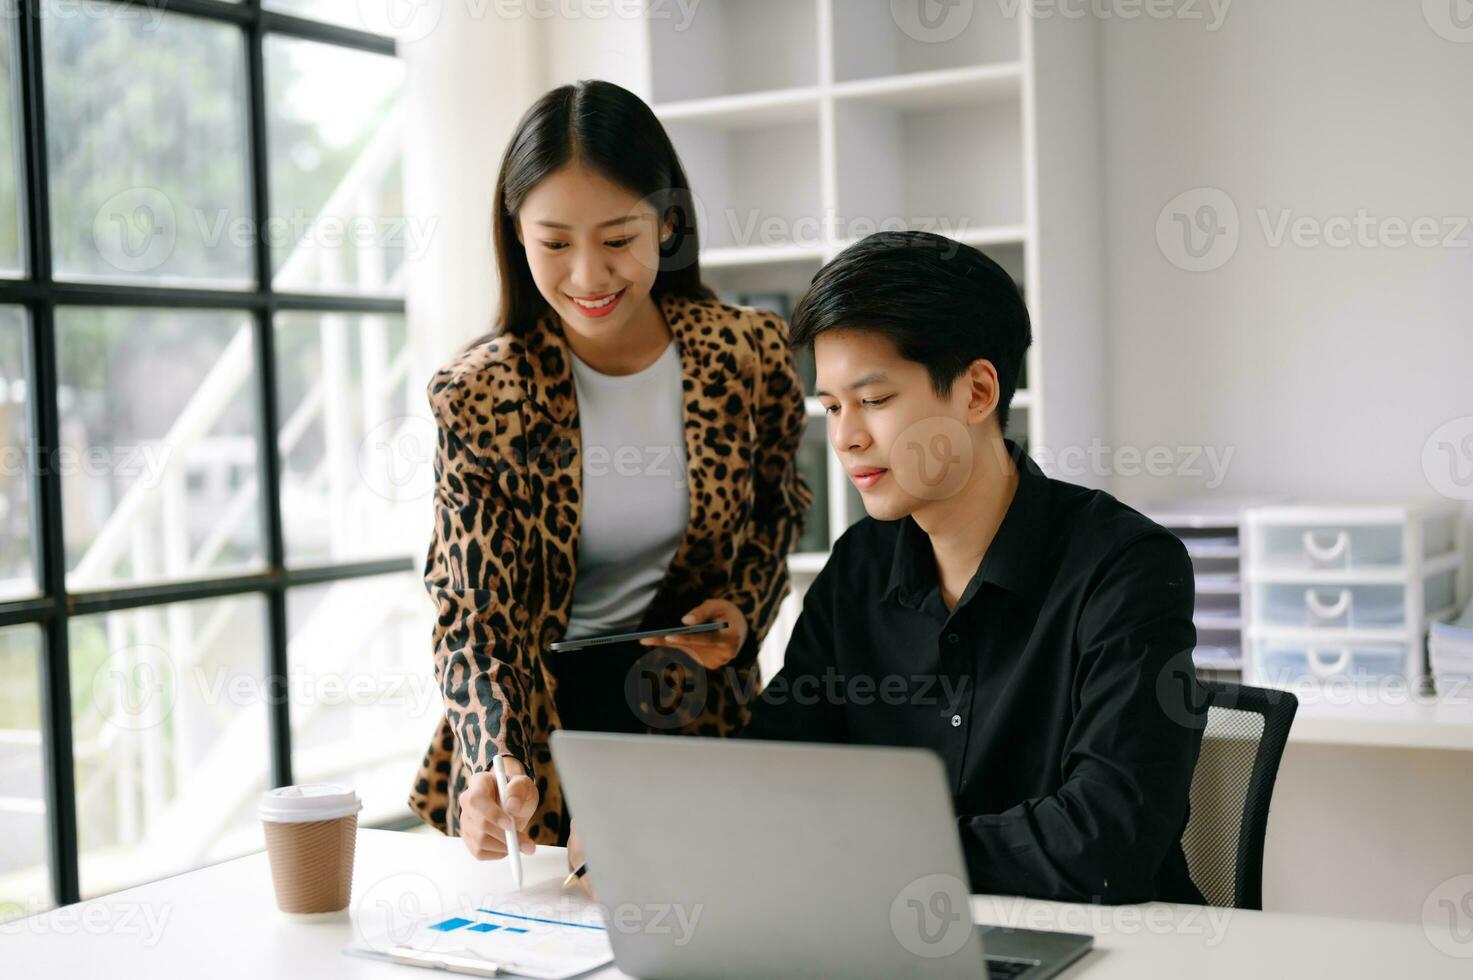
(618, 454)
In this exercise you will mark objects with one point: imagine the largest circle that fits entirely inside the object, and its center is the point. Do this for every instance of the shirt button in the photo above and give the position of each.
(952, 638)
(956, 721)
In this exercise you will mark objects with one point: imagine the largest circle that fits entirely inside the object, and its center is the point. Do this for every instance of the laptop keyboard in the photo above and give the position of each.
(1000, 969)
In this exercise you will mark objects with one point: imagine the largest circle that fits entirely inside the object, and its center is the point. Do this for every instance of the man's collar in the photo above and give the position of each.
(1013, 560)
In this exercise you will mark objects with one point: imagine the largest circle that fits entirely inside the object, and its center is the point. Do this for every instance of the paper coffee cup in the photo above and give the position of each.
(311, 831)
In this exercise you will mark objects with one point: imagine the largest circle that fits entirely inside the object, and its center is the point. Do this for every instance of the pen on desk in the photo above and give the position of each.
(513, 848)
(581, 870)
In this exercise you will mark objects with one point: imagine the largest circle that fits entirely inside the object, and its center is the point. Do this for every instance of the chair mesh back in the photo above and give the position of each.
(1231, 787)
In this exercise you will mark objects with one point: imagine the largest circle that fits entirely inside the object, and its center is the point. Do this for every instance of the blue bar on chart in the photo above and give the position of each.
(450, 925)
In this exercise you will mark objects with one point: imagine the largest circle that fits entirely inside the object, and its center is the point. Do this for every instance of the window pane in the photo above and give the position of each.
(171, 742)
(147, 144)
(12, 262)
(25, 883)
(159, 444)
(364, 701)
(17, 572)
(334, 138)
(357, 463)
(408, 20)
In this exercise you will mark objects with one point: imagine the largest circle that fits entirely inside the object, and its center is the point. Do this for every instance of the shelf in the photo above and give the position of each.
(875, 38)
(734, 256)
(948, 86)
(731, 47)
(744, 111)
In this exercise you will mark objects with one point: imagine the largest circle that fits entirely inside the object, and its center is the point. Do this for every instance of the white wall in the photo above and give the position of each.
(469, 81)
(1326, 368)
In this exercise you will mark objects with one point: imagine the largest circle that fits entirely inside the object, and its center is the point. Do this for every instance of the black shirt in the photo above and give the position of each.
(1059, 691)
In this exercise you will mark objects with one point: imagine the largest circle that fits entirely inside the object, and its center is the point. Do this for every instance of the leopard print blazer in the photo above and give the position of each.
(503, 555)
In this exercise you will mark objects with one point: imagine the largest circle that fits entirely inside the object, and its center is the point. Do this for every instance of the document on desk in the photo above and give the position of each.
(491, 941)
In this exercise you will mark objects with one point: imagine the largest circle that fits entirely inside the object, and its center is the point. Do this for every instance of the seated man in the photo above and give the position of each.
(1037, 635)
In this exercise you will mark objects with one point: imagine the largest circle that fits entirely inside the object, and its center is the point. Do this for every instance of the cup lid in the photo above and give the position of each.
(307, 802)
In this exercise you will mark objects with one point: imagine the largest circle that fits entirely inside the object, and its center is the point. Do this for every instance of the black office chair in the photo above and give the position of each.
(1242, 743)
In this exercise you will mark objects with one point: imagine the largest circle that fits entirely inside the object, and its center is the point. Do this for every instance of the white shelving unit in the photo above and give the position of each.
(807, 124)
(1212, 530)
(1345, 594)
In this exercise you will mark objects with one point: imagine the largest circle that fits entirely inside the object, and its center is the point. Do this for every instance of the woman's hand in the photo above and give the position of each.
(485, 817)
(710, 650)
(575, 859)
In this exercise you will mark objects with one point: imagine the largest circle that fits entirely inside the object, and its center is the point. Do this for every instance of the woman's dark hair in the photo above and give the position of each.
(944, 304)
(612, 132)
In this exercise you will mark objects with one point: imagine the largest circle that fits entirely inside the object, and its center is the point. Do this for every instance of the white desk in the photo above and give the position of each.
(225, 916)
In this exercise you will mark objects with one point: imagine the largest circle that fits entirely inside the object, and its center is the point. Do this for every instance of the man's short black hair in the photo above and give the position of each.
(944, 304)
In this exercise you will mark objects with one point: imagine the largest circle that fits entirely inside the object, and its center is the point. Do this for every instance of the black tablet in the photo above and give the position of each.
(598, 641)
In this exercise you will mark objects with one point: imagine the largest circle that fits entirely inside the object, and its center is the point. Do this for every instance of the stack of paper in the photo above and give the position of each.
(1450, 651)
(496, 941)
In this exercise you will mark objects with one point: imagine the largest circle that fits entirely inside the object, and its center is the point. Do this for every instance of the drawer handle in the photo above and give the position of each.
(1321, 611)
(1319, 667)
(1325, 554)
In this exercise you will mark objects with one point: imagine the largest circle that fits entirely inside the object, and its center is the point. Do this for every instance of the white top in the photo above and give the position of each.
(225, 916)
(636, 504)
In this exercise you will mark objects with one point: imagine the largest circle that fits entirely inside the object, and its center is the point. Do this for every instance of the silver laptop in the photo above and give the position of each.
(729, 858)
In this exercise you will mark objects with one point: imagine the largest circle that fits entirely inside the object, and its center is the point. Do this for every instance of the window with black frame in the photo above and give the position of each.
(214, 476)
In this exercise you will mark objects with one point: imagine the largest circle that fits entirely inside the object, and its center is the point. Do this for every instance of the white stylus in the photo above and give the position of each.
(513, 849)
